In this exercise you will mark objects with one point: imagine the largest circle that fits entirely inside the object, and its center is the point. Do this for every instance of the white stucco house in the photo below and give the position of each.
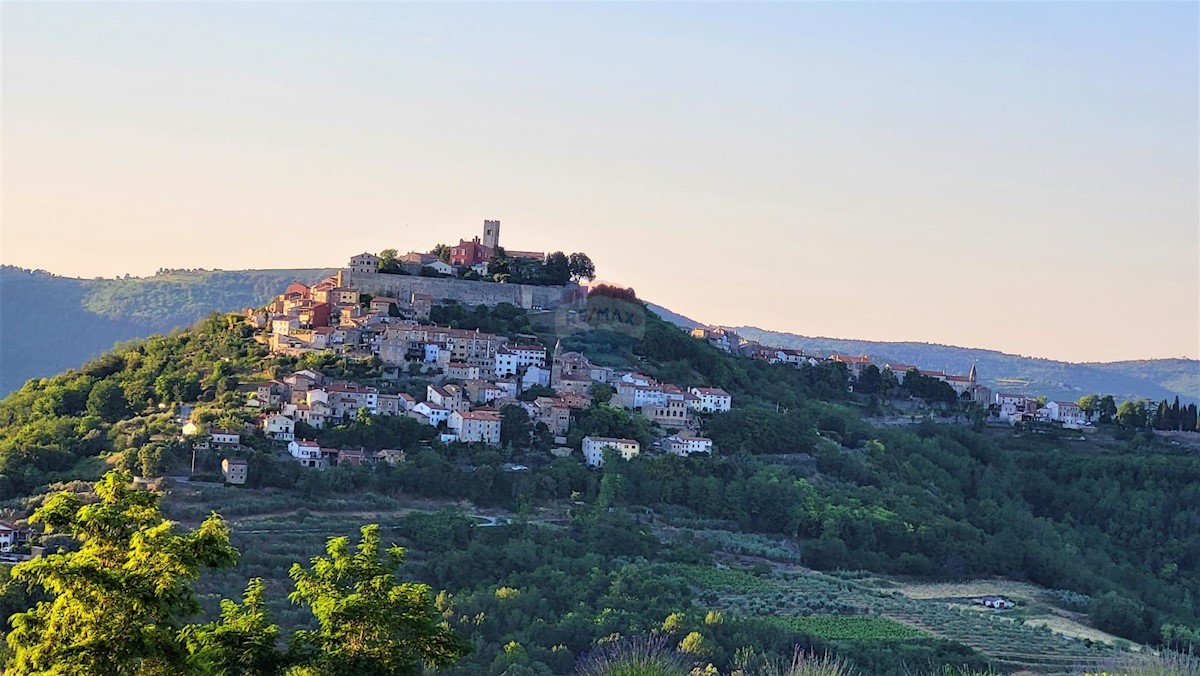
(593, 449)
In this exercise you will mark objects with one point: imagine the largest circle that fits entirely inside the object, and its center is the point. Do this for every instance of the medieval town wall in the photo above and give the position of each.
(402, 287)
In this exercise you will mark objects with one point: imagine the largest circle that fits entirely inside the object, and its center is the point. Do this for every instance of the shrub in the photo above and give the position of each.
(636, 656)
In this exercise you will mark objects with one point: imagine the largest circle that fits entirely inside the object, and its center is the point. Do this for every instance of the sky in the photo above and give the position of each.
(1013, 176)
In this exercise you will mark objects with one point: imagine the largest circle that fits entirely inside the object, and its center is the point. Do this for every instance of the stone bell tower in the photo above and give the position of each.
(491, 234)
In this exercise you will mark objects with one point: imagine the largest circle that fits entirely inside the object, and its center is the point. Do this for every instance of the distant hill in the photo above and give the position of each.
(1151, 378)
(674, 318)
(50, 323)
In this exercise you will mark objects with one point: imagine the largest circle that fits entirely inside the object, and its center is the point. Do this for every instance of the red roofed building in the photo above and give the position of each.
(469, 253)
(854, 364)
(480, 250)
(476, 426)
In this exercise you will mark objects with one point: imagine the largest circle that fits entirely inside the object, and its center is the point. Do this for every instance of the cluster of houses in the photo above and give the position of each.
(327, 317)
(1016, 408)
(465, 405)
(967, 386)
(330, 316)
(475, 375)
(1007, 407)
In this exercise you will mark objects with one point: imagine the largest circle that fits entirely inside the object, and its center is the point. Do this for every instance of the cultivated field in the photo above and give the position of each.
(1038, 636)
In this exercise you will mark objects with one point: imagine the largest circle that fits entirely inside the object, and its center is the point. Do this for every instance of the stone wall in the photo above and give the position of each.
(402, 287)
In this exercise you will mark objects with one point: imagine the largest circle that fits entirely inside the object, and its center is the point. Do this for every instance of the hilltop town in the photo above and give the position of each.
(471, 376)
(467, 384)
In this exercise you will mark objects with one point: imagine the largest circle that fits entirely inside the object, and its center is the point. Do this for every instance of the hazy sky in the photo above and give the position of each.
(1016, 176)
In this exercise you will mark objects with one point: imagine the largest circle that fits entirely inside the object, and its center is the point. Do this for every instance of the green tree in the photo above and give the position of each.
(1132, 415)
(557, 268)
(888, 382)
(242, 642)
(388, 261)
(499, 263)
(442, 251)
(977, 413)
(515, 426)
(870, 382)
(581, 267)
(601, 393)
(1089, 404)
(369, 622)
(150, 459)
(107, 400)
(1107, 409)
(118, 601)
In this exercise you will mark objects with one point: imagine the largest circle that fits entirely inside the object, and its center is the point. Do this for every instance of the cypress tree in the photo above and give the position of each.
(1161, 415)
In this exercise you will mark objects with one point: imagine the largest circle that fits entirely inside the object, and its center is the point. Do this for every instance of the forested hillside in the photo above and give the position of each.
(1108, 527)
(49, 323)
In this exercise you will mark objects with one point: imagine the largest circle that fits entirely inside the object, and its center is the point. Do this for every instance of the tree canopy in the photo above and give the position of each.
(370, 623)
(119, 601)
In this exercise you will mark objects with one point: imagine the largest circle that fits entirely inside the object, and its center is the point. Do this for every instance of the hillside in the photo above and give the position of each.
(49, 323)
(1154, 379)
(800, 480)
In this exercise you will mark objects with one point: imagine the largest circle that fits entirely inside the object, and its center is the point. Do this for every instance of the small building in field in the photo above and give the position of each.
(996, 602)
(234, 470)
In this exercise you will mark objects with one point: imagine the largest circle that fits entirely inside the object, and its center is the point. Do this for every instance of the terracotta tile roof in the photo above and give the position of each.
(481, 414)
(610, 440)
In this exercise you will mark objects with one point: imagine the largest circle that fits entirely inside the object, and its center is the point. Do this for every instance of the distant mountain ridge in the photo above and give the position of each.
(1150, 378)
(50, 323)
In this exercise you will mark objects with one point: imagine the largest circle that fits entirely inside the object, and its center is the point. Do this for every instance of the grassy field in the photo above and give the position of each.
(1018, 591)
